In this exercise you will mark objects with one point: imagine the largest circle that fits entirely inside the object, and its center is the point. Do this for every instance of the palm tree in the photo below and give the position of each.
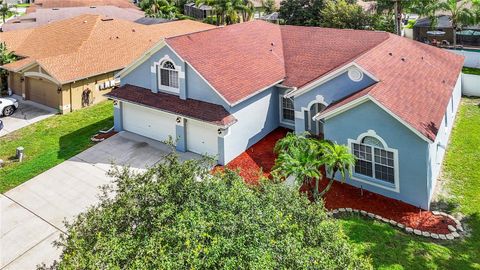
(303, 158)
(336, 158)
(159, 8)
(4, 10)
(300, 157)
(460, 13)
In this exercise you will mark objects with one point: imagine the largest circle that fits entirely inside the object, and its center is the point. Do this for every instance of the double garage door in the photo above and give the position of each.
(201, 138)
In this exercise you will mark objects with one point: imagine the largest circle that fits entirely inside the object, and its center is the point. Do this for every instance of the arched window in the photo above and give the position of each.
(374, 159)
(168, 75)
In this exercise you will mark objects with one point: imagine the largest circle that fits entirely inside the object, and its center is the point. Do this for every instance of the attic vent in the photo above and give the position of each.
(403, 59)
(107, 19)
(390, 54)
(55, 9)
(133, 30)
(93, 7)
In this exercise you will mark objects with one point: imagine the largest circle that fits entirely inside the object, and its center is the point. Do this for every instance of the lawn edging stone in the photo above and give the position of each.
(455, 230)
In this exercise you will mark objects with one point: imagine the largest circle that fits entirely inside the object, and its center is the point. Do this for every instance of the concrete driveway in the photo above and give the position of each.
(28, 112)
(32, 214)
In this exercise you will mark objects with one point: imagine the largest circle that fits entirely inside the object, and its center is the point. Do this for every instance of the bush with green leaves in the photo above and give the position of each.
(179, 216)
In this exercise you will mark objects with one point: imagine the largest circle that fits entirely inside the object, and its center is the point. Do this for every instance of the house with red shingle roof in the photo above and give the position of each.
(391, 100)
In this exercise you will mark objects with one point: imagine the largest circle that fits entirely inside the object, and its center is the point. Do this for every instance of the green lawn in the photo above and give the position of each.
(22, 5)
(474, 71)
(50, 142)
(392, 249)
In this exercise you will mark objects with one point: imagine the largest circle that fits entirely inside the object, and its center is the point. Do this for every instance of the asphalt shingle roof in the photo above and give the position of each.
(89, 45)
(415, 80)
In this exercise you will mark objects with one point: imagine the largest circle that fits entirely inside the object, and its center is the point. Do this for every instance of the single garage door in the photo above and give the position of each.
(43, 92)
(147, 122)
(202, 138)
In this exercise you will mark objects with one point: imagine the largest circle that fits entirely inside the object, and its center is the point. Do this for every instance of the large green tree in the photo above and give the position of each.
(341, 14)
(301, 12)
(178, 216)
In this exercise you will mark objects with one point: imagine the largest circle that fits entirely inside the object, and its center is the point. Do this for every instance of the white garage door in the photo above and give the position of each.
(148, 122)
(202, 138)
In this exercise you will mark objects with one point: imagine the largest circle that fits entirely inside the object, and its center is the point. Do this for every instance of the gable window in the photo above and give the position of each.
(168, 75)
(287, 110)
(375, 160)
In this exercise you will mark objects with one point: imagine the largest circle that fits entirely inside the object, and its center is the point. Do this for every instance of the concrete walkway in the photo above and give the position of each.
(32, 214)
(28, 112)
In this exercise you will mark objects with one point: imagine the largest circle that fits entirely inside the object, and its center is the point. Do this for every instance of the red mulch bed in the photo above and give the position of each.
(104, 136)
(259, 159)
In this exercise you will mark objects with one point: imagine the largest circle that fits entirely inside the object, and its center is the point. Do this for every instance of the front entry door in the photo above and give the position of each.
(315, 127)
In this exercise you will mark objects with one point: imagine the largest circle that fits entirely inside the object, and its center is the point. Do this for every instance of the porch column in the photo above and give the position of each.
(181, 134)
(117, 115)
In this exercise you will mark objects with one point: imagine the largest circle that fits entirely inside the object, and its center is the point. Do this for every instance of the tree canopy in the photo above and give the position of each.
(179, 216)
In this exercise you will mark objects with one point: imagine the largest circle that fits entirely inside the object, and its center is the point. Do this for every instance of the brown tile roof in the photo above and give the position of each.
(88, 45)
(200, 110)
(243, 59)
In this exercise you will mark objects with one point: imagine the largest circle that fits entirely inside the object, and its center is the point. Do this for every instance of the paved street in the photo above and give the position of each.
(32, 214)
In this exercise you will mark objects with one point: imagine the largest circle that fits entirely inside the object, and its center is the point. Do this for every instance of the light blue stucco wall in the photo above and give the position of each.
(331, 91)
(438, 148)
(412, 150)
(144, 77)
(257, 117)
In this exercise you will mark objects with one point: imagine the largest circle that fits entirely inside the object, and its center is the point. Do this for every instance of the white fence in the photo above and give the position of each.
(472, 58)
(471, 85)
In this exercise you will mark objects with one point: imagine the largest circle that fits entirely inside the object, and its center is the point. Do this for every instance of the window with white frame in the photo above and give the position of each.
(288, 111)
(374, 159)
(168, 75)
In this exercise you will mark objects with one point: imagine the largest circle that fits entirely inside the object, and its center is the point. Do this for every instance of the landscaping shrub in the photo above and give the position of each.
(178, 216)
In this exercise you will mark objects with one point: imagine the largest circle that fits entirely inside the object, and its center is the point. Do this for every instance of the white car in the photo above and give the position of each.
(8, 106)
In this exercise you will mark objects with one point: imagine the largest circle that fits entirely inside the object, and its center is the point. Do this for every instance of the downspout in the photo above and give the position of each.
(71, 106)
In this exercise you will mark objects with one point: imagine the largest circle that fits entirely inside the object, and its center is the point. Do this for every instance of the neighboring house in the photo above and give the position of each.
(200, 12)
(48, 15)
(390, 99)
(39, 4)
(469, 36)
(70, 64)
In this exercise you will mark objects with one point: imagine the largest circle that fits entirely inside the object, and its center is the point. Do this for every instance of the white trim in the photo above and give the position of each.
(280, 108)
(401, 120)
(355, 74)
(373, 181)
(329, 76)
(363, 99)
(342, 108)
(42, 75)
(158, 66)
(319, 99)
